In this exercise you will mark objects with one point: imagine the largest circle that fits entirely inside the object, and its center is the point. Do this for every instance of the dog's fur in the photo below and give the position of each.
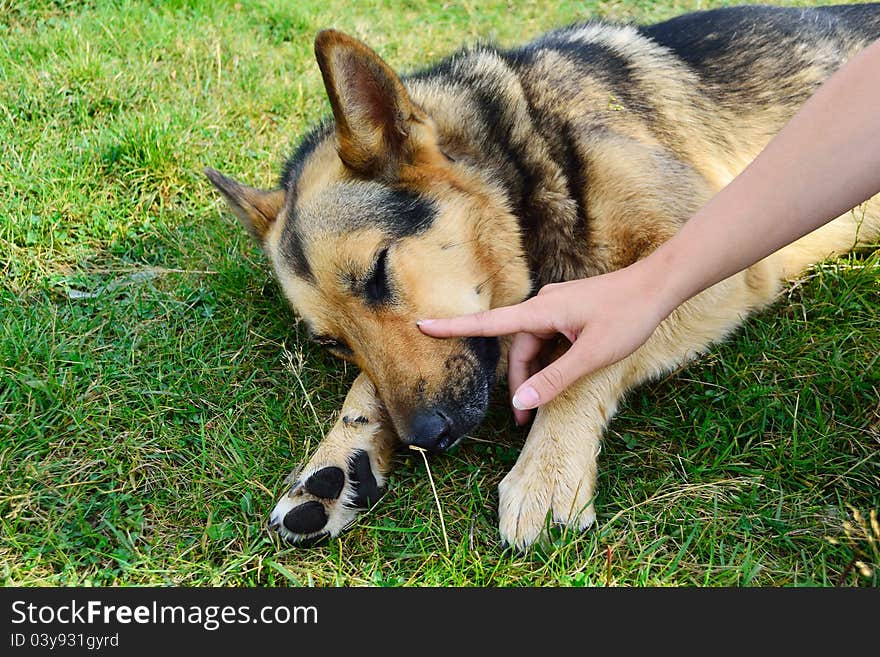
(472, 184)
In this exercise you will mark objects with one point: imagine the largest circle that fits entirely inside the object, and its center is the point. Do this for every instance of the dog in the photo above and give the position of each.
(475, 182)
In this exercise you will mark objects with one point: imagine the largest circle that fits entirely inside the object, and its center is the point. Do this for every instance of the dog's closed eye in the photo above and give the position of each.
(337, 346)
(377, 289)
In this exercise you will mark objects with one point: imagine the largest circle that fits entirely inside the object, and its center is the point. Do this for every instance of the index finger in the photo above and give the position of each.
(498, 321)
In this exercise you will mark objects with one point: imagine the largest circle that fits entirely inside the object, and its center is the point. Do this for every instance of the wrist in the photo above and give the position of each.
(662, 280)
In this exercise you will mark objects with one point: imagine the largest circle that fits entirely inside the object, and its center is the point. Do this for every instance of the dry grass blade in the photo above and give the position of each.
(436, 497)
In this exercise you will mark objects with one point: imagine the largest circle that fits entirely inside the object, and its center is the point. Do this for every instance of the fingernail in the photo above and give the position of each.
(424, 322)
(525, 399)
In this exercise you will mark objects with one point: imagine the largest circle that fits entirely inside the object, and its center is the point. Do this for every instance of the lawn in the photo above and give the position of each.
(155, 389)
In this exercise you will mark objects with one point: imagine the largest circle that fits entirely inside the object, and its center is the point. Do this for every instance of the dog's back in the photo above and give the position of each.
(758, 64)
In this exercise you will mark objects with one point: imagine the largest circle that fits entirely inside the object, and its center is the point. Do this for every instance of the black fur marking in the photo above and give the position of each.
(562, 144)
(398, 212)
(576, 172)
(712, 44)
(291, 244)
(487, 351)
(699, 38)
(326, 483)
(349, 422)
(519, 178)
(293, 166)
(367, 492)
(292, 249)
(377, 289)
(306, 518)
(405, 214)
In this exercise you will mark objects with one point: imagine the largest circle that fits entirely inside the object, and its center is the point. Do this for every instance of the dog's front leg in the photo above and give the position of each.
(346, 474)
(556, 471)
(554, 478)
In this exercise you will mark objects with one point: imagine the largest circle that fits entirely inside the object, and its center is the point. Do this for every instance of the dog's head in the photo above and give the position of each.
(374, 227)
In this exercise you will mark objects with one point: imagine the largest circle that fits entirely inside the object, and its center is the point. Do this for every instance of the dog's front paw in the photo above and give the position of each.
(326, 498)
(531, 497)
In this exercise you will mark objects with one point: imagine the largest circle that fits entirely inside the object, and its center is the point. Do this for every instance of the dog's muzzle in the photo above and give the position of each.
(462, 404)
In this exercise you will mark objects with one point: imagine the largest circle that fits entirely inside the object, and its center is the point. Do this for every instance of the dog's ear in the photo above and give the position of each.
(255, 208)
(373, 111)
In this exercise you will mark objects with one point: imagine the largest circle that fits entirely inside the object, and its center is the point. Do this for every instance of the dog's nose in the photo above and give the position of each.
(431, 430)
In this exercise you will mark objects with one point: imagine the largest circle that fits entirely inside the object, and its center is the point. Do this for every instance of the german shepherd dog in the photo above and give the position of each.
(474, 183)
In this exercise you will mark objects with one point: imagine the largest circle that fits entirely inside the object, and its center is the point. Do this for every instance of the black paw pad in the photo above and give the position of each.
(363, 481)
(326, 483)
(306, 518)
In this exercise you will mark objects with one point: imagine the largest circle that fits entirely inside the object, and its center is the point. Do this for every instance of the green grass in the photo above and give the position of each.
(155, 389)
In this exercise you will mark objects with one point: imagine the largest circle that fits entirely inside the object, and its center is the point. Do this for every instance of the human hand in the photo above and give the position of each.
(605, 318)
